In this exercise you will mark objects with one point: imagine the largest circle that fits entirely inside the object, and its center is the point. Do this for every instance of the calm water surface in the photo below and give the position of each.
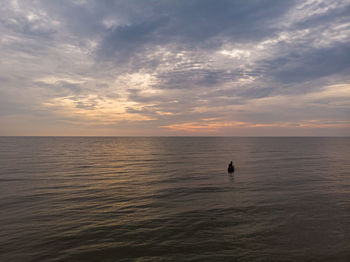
(171, 199)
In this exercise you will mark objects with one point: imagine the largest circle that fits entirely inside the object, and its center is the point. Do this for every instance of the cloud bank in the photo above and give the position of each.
(196, 67)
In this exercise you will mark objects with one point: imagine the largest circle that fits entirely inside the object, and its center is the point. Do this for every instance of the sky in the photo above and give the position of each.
(175, 68)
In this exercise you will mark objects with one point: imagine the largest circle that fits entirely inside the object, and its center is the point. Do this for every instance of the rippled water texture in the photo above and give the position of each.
(171, 199)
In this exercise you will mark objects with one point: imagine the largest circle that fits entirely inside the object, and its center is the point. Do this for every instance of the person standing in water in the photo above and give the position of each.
(230, 167)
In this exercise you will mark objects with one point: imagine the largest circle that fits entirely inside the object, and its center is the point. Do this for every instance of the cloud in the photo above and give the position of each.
(190, 25)
(198, 64)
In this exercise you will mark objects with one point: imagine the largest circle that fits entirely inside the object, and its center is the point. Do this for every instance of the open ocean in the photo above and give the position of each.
(171, 199)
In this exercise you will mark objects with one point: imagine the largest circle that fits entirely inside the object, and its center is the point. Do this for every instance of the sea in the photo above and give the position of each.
(172, 199)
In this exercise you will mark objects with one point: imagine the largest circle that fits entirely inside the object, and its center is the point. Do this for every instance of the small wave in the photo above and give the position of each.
(86, 166)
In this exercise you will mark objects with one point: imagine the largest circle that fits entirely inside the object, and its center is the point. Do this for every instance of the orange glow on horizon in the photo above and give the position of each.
(192, 127)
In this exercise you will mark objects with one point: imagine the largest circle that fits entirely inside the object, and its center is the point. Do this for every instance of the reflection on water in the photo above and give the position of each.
(158, 199)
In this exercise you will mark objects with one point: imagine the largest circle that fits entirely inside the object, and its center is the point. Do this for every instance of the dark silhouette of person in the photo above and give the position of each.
(230, 167)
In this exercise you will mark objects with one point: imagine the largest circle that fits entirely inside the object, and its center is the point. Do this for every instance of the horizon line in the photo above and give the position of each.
(160, 136)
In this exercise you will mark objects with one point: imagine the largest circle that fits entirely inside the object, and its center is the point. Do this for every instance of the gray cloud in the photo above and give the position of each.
(192, 25)
(316, 63)
(157, 63)
(60, 88)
